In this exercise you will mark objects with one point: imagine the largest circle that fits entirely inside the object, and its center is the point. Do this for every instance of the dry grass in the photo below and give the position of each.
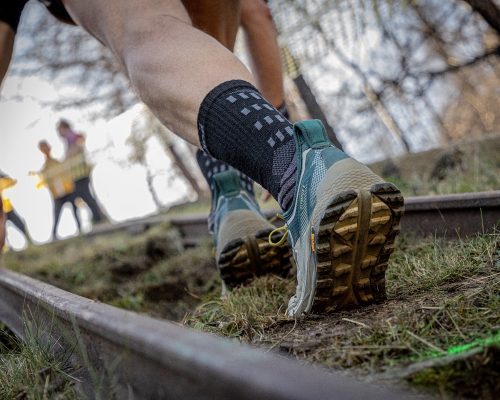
(476, 169)
(440, 294)
(245, 312)
(146, 273)
(30, 370)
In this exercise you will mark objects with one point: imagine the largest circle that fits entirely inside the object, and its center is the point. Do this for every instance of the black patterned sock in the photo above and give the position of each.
(209, 166)
(237, 125)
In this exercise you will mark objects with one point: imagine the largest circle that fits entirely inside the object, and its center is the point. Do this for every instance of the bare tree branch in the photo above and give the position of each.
(488, 10)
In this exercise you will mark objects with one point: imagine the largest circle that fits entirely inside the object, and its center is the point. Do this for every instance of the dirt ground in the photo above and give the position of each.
(441, 294)
(439, 329)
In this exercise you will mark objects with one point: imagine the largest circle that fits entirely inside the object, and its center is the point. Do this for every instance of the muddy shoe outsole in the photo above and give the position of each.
(243, 259)
(355, 240)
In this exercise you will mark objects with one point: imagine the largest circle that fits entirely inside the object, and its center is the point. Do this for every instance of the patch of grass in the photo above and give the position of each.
(477, 376)
(146, 273)
(246, 311)
(478, 176)
(441, 294)
(30, 370)
(424, 265)
(474, 168)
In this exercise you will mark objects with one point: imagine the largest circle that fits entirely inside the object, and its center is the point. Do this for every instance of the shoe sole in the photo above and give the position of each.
(244, 259)
(355, 239)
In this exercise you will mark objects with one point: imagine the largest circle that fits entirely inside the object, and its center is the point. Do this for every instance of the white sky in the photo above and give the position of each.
(121, 190)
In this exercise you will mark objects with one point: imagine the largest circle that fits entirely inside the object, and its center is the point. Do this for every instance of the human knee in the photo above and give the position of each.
(255, 12)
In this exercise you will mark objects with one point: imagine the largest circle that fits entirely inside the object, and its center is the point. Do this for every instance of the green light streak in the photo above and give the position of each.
(454, 350)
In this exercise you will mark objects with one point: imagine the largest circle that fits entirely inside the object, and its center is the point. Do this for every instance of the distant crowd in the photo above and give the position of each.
(68, 181)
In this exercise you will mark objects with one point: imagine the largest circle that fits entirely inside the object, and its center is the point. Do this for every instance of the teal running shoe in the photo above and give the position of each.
(341, 225)
(241, 233)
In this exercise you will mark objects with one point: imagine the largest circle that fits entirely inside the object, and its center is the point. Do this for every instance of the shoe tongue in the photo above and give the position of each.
(227, 182)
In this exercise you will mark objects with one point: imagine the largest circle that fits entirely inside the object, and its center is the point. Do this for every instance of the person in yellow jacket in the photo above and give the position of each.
(58, 180)
(11, 215)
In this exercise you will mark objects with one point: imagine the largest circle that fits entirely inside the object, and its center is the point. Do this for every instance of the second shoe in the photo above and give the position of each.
(241, 233)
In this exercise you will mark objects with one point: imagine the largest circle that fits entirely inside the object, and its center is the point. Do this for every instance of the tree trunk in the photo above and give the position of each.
(446, 136)
(385, 116)
(292, 68)
(376, 101)
(178, 159)
(315, 110)
(186, 173)
(440, 47)
(152, 191)
(488, 11)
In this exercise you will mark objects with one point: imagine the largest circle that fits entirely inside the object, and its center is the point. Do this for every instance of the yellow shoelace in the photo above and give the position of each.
(283, 228)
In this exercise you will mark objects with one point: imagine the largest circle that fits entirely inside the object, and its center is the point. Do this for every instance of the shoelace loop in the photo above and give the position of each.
(283, 228)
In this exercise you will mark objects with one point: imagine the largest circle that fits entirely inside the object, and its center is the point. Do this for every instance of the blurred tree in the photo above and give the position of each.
(137, 142)
(74, 60)
(396, 68)
(147, 126)
(488, 10)
(475, 106)
(391, 76)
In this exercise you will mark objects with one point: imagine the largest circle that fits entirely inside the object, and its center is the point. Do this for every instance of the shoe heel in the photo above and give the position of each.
(355, 240)
(243, 259)
(387, 203)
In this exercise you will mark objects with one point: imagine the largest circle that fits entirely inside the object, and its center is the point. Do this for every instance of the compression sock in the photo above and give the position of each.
(209, 166)
(237, 125)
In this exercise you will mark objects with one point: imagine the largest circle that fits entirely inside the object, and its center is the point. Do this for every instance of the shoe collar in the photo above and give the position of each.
(227, 183)
(312, 133)
(227, 190)
(309, 134)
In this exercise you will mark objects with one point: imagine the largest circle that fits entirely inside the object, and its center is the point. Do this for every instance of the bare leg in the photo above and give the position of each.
(202, 16)
(261, 39)
(6, 45)
(171, 64)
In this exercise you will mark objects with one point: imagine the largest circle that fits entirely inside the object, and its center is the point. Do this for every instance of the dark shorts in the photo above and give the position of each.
(56, 8)
(10, 12)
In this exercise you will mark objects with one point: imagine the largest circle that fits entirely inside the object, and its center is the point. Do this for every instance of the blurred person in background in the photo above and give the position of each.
(79, 168)
(56, 177)
(11, 215)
